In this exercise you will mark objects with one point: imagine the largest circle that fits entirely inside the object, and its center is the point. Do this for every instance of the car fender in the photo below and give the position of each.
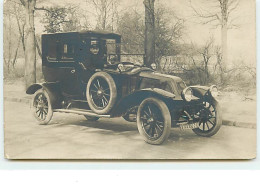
(199, 91)
(52, 88)
(135, 98)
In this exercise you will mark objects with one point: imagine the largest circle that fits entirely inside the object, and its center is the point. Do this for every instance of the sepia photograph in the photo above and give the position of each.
(129, 79)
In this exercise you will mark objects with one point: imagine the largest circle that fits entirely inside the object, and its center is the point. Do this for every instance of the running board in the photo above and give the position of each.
(81, 112)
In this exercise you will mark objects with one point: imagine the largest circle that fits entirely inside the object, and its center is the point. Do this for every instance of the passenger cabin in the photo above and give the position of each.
(66, 55)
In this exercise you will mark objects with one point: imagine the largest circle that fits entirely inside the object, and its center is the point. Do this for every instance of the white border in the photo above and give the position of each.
(119, 165)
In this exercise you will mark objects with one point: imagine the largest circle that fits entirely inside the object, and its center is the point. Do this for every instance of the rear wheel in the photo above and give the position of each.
(41, 107)
(154, 121)
(210, 119)
(101, 93)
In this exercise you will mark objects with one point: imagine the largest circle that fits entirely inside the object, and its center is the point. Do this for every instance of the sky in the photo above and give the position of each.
(241, 41)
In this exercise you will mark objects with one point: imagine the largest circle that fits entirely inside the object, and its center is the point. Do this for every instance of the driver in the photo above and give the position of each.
(92, 55)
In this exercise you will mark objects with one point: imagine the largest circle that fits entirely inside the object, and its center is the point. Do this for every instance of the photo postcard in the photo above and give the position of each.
(129, 79)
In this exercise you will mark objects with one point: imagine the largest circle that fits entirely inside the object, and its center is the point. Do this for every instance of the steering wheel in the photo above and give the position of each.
(128, 66)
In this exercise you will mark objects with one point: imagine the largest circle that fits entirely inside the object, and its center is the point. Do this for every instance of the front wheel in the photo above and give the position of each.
(154, 121)
(41, 107)
(101, 93)
(210, 119)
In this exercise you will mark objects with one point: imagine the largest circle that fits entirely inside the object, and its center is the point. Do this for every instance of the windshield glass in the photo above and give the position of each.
(112, 51)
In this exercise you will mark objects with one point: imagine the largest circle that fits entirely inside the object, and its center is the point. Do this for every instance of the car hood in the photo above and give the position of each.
(160, 76)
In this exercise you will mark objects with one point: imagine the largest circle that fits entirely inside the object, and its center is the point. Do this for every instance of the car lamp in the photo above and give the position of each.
(121, 67)
(187, 94)
(213, 90)
(153, 66)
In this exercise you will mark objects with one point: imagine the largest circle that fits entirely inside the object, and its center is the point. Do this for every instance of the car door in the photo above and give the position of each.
(60, 66)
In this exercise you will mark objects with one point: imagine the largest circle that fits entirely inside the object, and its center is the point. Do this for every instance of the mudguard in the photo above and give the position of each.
(52, 88)
(199, 91)
(137, 97)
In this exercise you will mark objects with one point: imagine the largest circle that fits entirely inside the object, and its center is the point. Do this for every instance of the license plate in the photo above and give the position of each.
(189, 126)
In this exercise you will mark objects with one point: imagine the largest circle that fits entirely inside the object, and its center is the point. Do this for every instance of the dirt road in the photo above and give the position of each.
(71, 136)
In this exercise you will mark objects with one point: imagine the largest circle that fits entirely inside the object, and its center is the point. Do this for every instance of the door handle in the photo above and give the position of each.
(73, 71)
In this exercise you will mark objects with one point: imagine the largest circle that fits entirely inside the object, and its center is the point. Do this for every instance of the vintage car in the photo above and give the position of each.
(85, 74)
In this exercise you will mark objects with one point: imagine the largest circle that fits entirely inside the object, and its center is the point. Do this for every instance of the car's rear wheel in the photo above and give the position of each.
(210, 119)
(91, 118)
(154, 121)
(101, 93)
(41, 107)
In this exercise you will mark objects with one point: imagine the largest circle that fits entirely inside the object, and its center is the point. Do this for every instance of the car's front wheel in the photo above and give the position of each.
(101, 93)
(41, 107)
(210, 119)
(154, 121)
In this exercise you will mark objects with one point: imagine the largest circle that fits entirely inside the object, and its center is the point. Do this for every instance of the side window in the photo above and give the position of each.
(52, 48)
(59, 51)
(65, 48)
(67, 52)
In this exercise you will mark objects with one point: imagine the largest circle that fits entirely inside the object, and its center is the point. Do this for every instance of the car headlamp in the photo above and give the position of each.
(213, 90)
(121, 67)
(187, 94)
(153, 66)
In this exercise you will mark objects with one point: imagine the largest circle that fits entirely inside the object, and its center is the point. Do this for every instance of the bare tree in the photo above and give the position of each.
(54, 18)
(131, 27)
(207, 52)
(195, 64)
(105, 11)
(149, 43)
(218, 13)
(20, 20)
(12, 40)
(30, 49)
(169, 29)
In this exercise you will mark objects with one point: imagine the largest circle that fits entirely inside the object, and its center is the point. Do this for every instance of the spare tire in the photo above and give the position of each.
(101, 93)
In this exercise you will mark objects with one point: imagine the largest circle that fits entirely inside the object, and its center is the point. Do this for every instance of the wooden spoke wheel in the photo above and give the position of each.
(41, 107)
(101, 93)
(154, 121)
(210, 119)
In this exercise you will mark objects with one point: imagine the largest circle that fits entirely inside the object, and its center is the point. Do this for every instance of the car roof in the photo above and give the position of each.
(90, 33)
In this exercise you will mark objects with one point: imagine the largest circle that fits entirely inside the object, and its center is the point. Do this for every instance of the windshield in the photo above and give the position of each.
(113, 51)
(135, 58)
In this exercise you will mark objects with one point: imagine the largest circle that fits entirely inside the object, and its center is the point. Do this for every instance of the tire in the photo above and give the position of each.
(91, 118)
(101, 93)
(41, 107)
(210, 124)
(154, 121)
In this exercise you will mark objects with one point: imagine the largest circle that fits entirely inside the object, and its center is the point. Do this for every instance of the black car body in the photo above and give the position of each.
(85, 74)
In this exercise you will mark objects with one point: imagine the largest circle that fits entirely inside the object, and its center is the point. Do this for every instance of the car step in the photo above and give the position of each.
(81, 112)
